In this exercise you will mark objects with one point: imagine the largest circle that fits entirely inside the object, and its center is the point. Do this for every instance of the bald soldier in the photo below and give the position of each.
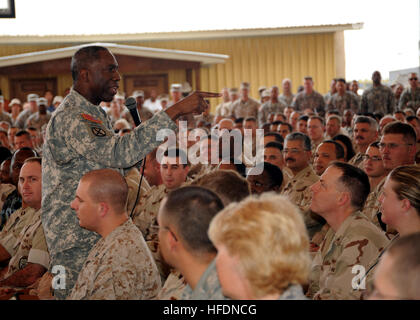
(120, 265)
(352, 239)
(79, 139)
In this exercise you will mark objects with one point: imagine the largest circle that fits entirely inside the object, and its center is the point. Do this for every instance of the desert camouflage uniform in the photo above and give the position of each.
(312, 101)
(357, 160)
(207, 288)
(341, 103)
(378, 99)
(372, 205)
(240, 109)
(30, 246)
(79, 139)
(4, 116)
(298, 191)
(145, 218)
(119, 267)
(410, 99)
(22, 117)
(287, 100)
(223, 109)
(293, 292)
(133, 179)
(37, 120)
(268, 108)
(10, 233)
(173, 288)
(356, 242)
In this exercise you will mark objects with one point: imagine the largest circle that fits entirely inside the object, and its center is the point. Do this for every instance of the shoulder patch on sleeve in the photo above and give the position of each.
(88, 117)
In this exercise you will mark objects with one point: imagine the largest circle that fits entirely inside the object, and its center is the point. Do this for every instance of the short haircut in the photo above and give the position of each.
(308, 78)
(275, 174)
(398, 127)
(23, 133)
(277, 122)
(304, 118)
(369, 120)
(333, 112)
(32, 128)
(179, 153)
(4, 154)
(341, 80)
(274, 144)
(411, 118)
(278, 137)
(268, 236)
(229, 185)
(190, 210)
(288, 125)
(34, 159)
(335, 117)
(339, 150)
(318, 118)
(250, 119)
(83, 57)
(107, 185)
(405, 275)
(407, 184)
(355, 180)
(347, 142)
(306, 141)
(238, 120)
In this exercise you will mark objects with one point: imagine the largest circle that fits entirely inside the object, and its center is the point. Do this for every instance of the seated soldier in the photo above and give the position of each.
(174, 168)
(14, 200)
(270, 179)
(120, 265)
(352, 238)
(28, 253)
(397, 275)
(262, 249)
(230, 187)
(184, 218)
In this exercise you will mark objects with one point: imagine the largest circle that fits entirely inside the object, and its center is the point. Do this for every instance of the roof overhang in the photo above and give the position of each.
(205, 59)
(182, 35)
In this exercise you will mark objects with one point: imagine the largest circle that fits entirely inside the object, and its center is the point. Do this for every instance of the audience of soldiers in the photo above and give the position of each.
(325, 206)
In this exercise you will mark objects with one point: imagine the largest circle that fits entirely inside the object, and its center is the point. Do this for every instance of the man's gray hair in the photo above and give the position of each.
(306, 141)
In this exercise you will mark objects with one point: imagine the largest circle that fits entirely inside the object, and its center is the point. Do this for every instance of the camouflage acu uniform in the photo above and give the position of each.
(372, 205)
(241, 109)
(347, 101)
(378, 99)
(79, 139)
(287, 100)
(21, 119)
(30, 246)
(10, 233)
(5, 190)
(357, 160)
(145, 218)
(119, 267)
(223, 109)
(268, 108)
(173, 288)
(313, 101)
(293, 292)
(298, 191)
(204, 117)
(356, 242)
(207, 288)
(410, 99)
(4, 116)
(37, 120)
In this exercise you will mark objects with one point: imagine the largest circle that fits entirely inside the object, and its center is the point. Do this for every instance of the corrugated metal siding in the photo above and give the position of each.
(262, 61)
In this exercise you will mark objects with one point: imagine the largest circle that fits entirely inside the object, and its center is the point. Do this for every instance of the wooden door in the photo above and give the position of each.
(146, 82)
(20, 88)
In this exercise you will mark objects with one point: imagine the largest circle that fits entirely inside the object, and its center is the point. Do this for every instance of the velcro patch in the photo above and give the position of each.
(88, 117)
(97, 131)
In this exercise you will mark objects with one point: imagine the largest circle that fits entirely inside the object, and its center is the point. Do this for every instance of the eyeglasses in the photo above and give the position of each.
(366, 157)
(415, 79)
(392, 146)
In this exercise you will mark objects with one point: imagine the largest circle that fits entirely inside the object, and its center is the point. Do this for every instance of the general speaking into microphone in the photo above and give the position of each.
(79, 138)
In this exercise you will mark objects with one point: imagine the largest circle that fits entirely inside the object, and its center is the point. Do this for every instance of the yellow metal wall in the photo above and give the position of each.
(262, 61)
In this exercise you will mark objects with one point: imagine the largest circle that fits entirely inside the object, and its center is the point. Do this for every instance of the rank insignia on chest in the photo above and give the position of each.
(88, 117)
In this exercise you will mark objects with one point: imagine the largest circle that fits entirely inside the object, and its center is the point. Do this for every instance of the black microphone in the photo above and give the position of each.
(131, 105)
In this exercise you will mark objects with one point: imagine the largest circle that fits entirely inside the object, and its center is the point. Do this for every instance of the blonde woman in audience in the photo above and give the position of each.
(263, 249)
